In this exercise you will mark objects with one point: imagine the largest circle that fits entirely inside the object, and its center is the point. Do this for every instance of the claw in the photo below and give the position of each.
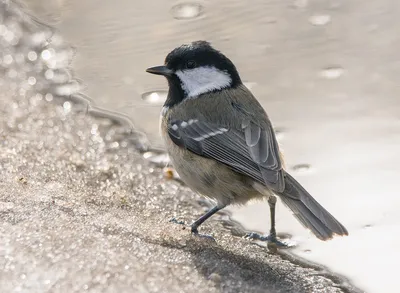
(204, 236)
(175, 221)
(195, 232)
(269, 238)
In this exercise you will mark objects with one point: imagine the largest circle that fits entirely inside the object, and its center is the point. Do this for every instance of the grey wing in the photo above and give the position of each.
(252, 150)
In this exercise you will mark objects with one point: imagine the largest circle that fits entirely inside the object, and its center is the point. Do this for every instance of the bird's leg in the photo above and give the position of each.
(204, 217)
(272, 232)
(200, 221)
(272, 204)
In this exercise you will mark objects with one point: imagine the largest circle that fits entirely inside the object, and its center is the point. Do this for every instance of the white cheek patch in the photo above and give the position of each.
(202, 80)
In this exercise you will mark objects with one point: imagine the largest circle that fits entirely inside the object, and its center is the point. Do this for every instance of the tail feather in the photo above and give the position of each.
(309, 212)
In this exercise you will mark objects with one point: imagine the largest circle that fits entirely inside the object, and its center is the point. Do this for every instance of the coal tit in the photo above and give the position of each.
(222, 144)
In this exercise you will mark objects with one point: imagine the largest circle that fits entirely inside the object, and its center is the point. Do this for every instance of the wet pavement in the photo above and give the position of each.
(325, 71)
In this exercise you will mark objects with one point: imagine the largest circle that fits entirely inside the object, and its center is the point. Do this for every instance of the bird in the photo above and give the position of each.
(222, 143)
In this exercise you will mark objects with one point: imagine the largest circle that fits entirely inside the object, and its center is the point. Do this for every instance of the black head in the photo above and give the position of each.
(200, 54)
(195, 69)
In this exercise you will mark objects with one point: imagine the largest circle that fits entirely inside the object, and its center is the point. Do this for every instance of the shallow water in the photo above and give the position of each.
(325, 71)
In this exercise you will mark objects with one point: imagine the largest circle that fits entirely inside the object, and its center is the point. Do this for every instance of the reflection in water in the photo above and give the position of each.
(301, 168)
(186, 10)
(327, 74)
(332, 72)
(322, 19)
(155, 97)
(160, 159)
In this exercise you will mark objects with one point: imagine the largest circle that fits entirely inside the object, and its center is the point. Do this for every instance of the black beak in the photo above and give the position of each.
(160, 70)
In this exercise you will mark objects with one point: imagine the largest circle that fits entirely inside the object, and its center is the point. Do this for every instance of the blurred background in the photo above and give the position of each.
(326, 71)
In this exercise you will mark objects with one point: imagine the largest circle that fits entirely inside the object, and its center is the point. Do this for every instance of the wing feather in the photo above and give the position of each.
(252, 151)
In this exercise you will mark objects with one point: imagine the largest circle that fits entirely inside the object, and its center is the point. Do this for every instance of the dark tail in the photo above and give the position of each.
(309, 212)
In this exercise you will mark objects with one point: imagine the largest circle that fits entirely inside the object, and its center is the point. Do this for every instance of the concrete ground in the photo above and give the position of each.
(82, 210)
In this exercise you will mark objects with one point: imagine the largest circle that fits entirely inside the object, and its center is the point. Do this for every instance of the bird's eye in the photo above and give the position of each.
(190, 64)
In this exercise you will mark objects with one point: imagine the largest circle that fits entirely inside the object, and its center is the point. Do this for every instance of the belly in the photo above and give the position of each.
(210, 178)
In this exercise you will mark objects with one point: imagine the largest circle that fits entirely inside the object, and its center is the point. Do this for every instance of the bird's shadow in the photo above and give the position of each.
(247, 267)
(250, 268)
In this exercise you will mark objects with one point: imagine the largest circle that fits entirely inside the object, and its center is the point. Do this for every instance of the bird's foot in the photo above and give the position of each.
(175, 221)
(271, 239)
(196, 233)
(193, 229)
